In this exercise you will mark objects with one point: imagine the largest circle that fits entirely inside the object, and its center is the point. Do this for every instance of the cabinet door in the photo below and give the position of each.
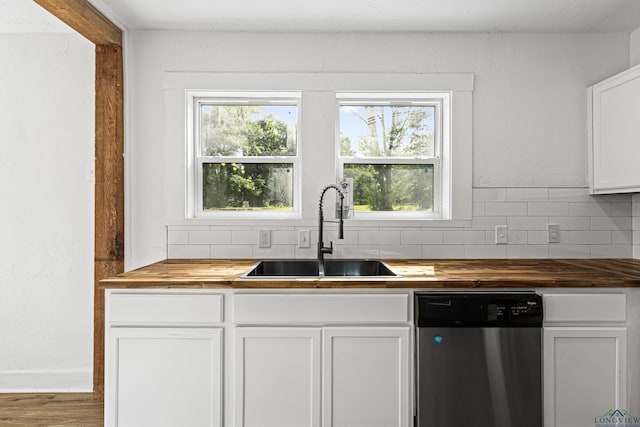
(277, 377)
(164, 377)
(615, 134)
(584, 374)
(366, 377)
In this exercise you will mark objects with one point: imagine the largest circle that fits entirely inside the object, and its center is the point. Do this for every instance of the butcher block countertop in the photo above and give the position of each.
(470, 273)
(424, 273)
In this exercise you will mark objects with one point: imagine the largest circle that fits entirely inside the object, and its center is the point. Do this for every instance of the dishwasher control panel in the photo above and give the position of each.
(518, 309)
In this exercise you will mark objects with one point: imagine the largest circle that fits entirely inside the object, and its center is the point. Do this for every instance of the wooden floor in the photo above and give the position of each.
(50, 410)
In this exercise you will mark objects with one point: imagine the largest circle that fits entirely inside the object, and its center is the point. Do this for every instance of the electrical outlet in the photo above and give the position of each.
(502, 236)
(303, 239)
(265, 239)
(553, 233)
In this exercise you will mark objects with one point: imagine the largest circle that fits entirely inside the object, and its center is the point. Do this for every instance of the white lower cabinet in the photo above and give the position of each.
(364, 380)
(277, 377)
(585, 367)
(164, 377)
(366, 377)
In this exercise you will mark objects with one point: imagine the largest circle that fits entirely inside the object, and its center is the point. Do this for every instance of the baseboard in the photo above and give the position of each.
(53, 381)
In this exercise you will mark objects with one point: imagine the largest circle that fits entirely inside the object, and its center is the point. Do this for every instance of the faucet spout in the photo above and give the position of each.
(322, 249)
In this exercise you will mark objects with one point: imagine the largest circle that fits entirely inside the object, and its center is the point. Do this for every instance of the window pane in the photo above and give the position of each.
(387, 130)
(391, 187)
(248, 130)
(247, 186)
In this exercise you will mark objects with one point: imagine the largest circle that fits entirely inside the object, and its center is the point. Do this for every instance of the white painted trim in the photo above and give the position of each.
(339, 82)
(47, 381)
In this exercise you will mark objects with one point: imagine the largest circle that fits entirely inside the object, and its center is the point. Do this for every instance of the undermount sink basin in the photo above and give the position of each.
(311, 268)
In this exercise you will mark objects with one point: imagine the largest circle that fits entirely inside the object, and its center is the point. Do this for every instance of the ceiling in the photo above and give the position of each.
(345, 15)
(378, 15)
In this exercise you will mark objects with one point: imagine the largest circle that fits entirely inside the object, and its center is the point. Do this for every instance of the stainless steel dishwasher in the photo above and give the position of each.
(479, 359)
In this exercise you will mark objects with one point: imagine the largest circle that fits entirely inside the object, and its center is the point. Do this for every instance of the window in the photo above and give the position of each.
(391, 145)
(250, 144)
(246, 153)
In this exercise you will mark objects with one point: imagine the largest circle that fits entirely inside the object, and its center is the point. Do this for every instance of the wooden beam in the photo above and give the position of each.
(109, 190)
(83, 17)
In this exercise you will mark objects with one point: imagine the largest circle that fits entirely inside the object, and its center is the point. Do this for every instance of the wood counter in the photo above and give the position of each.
(485, 273)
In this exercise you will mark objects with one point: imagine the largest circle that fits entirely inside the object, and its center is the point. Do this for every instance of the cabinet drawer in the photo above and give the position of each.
(585, 308)
(321, 308)
(164, 308)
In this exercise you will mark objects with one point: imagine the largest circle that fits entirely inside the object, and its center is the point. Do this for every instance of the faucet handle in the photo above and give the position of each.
(327, 250)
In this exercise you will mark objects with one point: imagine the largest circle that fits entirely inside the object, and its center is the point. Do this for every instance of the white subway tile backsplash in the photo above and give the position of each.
(489, 194)
(569, 195)
(527, 194)
(284, 237)
(175, 237)
(537, 237)
(245, 237)
(610, 223)
(485, 251)
(590, 209)
(210, 237)
(400, 251)
(594, 237)
(569, 251)
(621, 209)
(527, 223)
(622, 237)
(611, 251)
(548, 209)
(478, 209)
(590, 226)
(358, 251)
(379, 237)
(527, 251)
(464, 237)
(231, 251)
(488, 222)
(420, 237)
(275, 251)
(569, 223)
(443, 251)
(506, 209)
(188, 251)
(515, 237)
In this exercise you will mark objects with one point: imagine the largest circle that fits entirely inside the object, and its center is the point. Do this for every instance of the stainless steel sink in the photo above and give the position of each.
(284, 268)
(334, 268)
(357, 268)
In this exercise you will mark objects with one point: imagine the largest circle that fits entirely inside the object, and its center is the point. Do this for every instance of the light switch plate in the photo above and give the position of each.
(502, 236)
(303, 239)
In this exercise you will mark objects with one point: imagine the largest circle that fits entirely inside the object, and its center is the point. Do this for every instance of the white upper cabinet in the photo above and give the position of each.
(614, 134)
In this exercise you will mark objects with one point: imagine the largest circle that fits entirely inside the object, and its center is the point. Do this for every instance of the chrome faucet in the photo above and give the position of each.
(321, 248)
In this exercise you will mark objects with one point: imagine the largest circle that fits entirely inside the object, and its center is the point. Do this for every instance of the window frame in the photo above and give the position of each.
(195, 99)
(440, 162)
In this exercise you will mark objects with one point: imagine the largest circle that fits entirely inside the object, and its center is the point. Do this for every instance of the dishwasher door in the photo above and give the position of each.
(479, 360)
(486, 377)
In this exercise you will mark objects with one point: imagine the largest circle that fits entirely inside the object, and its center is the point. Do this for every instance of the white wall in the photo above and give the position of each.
(635, 48)
(529, 115)
(46, 219)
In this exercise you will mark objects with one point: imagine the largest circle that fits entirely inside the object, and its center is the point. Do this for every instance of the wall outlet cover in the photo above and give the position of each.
(553, 233)
(303, 239)
(265, 239)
